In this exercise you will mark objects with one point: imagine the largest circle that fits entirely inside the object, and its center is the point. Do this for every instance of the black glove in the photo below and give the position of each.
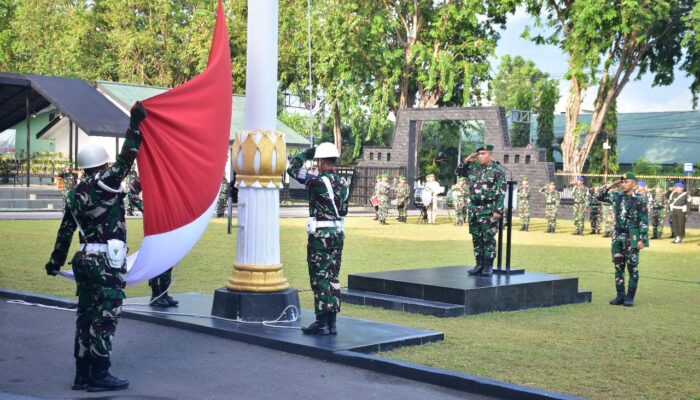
(52, 269)
(310, 153)
(138, 114)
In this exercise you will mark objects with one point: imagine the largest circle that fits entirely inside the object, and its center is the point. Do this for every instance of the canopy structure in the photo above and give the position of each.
(22, 95)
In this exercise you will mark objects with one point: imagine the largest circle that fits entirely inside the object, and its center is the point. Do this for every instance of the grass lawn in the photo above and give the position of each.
(651, 351)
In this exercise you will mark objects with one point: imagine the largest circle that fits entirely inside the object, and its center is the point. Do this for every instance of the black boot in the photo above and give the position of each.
(318, 327)
(620, 299)
(527, 227)
(156, 299)
(478, 267)
(331, 324)
(102, 381)
(488, 267)
(522, 227)
(82, 374)
(171, 301)
(629, 300)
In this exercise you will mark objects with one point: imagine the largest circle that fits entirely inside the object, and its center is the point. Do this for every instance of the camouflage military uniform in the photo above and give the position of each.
(325, 245)
(608, 219)
(551, 200)
(580, 195)
(70, 178)
(458, 196)
(595, 210)
(402, 193)
(133, 190)
(383, 196)
(99, 214)
(222, 201)
(631, 226)
(487, 187)
(524, 207)
(658, 214)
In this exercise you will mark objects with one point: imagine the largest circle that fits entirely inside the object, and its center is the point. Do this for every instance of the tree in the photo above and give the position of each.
(596, 158)
(608, 43)
(520, 85)
(547, 101)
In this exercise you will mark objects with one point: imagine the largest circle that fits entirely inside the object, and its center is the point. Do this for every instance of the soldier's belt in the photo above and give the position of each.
(681, 208)
(94, 247)
(329, 224)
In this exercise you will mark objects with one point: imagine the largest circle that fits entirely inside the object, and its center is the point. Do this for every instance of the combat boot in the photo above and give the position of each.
(629, 300)
(554, 230)
(522, 227)
(318, 327)
(82, 374)
(478, 267)
(620, 299)
(171, 301)
(331, 323)
(105, 382)
(527, 227)
(156, 299)
(488, 267)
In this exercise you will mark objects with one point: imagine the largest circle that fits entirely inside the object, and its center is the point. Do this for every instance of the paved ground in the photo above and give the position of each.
(167, 363)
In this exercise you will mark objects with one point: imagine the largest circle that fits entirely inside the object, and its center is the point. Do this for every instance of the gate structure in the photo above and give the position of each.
(400, 155)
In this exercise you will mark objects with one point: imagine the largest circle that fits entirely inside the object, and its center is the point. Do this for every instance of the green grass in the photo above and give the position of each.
(592, 350)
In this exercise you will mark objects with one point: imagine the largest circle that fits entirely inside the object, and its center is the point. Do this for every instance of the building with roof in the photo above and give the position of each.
(662, 138)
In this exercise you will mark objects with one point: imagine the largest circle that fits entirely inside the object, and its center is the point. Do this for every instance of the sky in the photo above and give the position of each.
(637, 96)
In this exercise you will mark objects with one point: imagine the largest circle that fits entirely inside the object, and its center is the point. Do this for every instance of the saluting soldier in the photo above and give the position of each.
(551, 201)
(487, 188)
(524, 204)
(70, 179)
(328, 204)
(658, 213)
(402, 193)
(595, 211)
(458, 194)
(580, 195)
(629, 236)
(383, 196)
(96, 208)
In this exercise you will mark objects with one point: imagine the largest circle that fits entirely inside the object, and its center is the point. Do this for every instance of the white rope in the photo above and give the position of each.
(26, 303)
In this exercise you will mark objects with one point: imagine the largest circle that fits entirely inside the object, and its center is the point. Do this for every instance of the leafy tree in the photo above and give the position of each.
(520, 85)
(596, 159)
(609, 43)
(547, 101)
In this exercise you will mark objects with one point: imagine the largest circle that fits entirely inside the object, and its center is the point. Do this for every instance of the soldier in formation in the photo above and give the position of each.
(222, 201)
(402, 192)
(645, 194)
(487, 188)
(383, 197)
(133, 191)
(551, 201)
(595, 211)
(95, 207)
(459, 192)
(524, 204)
(580, 196)
(328, 204)
(629, 236)
(678, 204)
(70, 179)
(659, 211)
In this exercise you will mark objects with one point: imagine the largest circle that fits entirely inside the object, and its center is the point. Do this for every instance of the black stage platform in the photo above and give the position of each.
(451, 292)
(353, 334)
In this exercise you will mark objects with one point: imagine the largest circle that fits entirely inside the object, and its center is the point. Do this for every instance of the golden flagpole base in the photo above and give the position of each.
(257, 278)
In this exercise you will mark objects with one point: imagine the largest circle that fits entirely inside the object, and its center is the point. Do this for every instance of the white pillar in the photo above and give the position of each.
(259, 159)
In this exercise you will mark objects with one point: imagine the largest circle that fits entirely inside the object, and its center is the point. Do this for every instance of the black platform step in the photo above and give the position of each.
(477, 294)
(398, 303)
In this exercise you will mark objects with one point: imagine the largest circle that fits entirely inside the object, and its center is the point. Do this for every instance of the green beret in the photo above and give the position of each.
(379, 176)
(552, 183)
(629, 175)
(461, 178)
(524, 179)
(429, 175)
(384, 175)
(402, 177)
(487, 147)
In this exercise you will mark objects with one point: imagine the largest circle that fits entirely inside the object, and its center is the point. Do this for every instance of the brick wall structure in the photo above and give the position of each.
(400, 155)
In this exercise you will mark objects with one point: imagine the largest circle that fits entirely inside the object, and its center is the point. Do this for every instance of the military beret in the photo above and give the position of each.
(461, 178)
(379, 176)
(384, 175)
(487, 147)
(580, 178)
(680, 185)
(629, 175)
(402, 177)
(642, 184)
(524, 178)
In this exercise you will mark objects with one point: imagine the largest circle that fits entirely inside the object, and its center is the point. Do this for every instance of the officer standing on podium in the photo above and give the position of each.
(328, 204)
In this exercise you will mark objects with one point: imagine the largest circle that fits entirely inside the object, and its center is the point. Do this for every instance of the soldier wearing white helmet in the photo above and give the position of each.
(328, 204)
(95, 207)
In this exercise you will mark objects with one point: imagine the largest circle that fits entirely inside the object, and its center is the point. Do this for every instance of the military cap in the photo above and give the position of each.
(629, 175)
(379, 176)
(402, 177)
(680, 185)
(580, 178)
(385, 175)
(461, 178)
(642, 184)
(487, 147)
(524, 179)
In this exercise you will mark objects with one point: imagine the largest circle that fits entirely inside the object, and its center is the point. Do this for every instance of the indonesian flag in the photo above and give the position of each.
(182, 161)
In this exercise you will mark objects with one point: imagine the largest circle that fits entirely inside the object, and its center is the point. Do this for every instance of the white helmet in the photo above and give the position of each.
(91, 156)
(326, 150)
